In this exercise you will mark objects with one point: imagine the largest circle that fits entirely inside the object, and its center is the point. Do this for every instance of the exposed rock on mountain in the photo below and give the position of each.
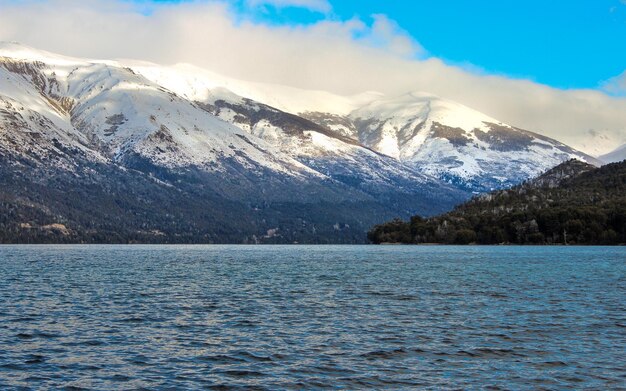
(452, 142)
(139, 162)
(157, 154)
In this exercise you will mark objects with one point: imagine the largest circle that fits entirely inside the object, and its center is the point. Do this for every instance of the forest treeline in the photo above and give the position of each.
(573, 203)
(103, 204)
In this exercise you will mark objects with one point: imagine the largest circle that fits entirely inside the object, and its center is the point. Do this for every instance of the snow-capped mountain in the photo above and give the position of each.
(112, 112)
(95, 127)
(427, 133)
(227, 160)
(451, 141)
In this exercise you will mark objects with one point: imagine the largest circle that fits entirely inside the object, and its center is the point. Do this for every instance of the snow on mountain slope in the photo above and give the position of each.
(336, 156)
(197, 84)
(115, 114)
(124, 111)
(112, 111)
(614, 156)
(17, 51)
(333, 155)
(430, 134)
(34, 116)
(117, 110)
(183, 115)
(312, 146)
(450, 141)
(399, 126)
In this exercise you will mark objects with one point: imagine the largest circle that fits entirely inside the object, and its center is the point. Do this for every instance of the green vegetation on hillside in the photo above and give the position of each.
(573, 203)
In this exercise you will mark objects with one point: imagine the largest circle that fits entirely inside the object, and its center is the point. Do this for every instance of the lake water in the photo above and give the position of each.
(307, 317)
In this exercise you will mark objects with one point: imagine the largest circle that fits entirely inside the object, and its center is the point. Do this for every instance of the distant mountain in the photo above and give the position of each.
(96, 152)
(452, 142)
(617, 155)
(105, 151)
(441, 138)
(573, 203)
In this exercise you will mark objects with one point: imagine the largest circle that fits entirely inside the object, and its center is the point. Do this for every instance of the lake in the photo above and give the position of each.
(312, 317)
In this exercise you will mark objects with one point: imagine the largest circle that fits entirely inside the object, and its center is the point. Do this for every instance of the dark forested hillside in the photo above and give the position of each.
(573, 203)
(105, 204)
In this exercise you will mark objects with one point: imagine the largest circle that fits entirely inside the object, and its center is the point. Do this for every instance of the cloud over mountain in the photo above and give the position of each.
(341, 56)
(616, 85)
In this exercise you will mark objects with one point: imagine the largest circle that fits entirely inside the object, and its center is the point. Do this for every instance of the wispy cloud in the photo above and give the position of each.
(346, 57)
(387, 34)
(616, 85)
(312, 5)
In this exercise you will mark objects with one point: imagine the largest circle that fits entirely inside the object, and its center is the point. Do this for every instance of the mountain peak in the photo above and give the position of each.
(121, 103)
(19, 51)
(426, 106)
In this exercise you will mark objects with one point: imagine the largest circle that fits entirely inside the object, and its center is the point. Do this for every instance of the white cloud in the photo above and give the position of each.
(339, 56)
(616, 85)
(390, 35)
(312, 5)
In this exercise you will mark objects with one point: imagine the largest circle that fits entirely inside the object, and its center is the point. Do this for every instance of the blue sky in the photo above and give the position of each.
(560, 43)
(564, 44)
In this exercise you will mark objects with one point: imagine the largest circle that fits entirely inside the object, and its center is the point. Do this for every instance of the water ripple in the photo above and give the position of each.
(306, 317)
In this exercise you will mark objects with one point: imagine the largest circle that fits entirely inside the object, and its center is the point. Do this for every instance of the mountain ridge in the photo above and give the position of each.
(615, 156)
(379, 123)
(84, 123)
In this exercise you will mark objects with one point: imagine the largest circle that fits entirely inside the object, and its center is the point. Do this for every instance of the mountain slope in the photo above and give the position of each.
(573, 203)
(168, 169)
(454, 143)
(262, 162)
(451, 141)
(614, 156)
